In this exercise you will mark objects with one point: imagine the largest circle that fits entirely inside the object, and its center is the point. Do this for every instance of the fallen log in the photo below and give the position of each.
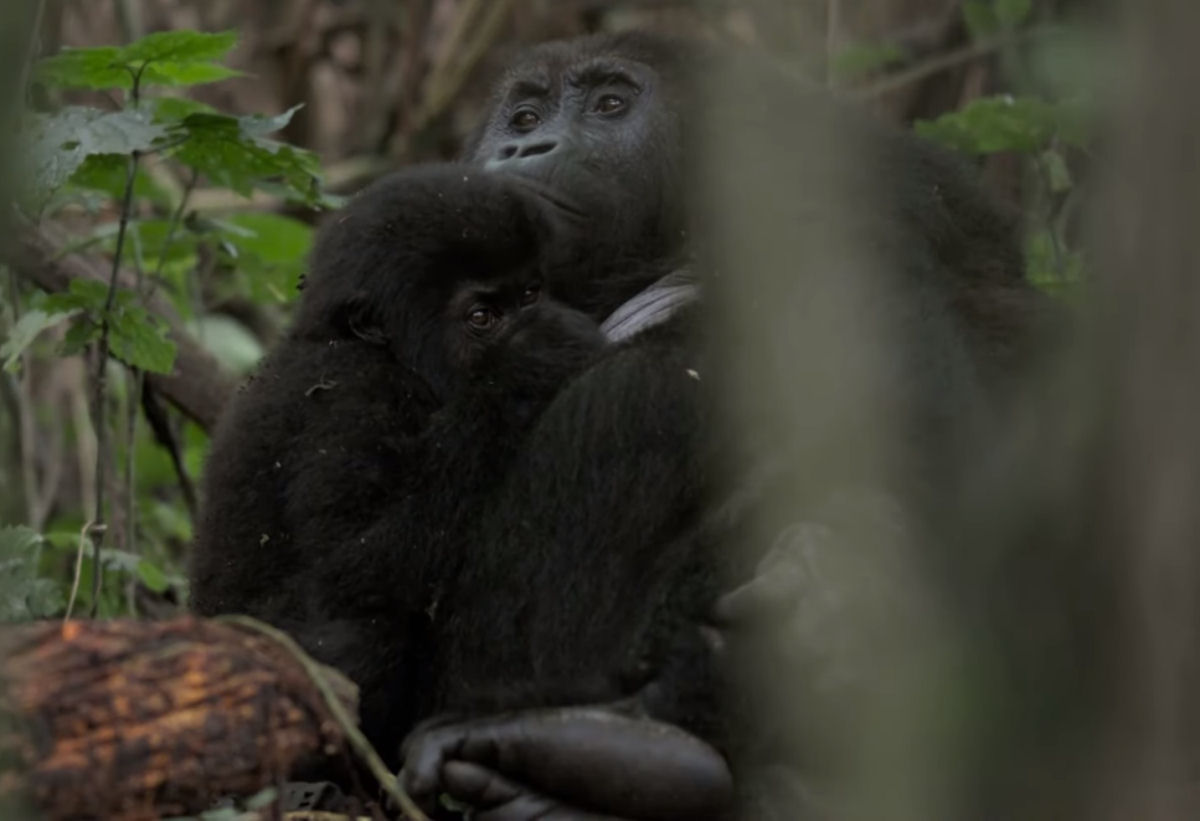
(137, 720)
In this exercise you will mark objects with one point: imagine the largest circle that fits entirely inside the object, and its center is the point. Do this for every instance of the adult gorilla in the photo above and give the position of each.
(864, 301)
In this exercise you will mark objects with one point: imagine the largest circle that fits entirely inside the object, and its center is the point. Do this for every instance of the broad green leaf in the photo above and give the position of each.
(1054, 167)
(134, 336)
(980, 18)
(1051, 266)
(32, 323)
(170, 73)
(860, 60)
(23, 595)
(108, 174)
(84, 330)
(87, 294)
(61, 142)
(183, 45)
(156, 241)
(152, 576)
(175, 109)
(139, 339)
(195, 447)
(173, 58)
(269, 250)
(1012, 13)
(995, 124)
(92, 68)
(229, 341)
(233, 152)
(16, 544)
(171, 521)
(259, 125)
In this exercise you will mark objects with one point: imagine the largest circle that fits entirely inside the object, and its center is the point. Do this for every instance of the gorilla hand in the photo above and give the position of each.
(568, 764)
(825, 596)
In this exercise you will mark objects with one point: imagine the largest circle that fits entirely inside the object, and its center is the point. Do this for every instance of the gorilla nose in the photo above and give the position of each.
(516, 152)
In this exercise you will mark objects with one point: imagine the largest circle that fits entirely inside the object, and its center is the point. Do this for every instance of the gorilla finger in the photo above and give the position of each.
(767, 597)
(600, 758)
(495, 798)
(424, 755)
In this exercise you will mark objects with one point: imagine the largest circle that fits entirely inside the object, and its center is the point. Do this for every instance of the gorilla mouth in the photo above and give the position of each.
(550, 195)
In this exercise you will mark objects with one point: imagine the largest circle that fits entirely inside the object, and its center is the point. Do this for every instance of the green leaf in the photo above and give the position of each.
(186, 74)
(134, 336)
(1051, 266)
(1012, 13)
(269, 250)
(17, 543)
(108, 174)
(24, 596)
(992, 124)
(60, 143)
(980, 19)
(171, 58)
(172, 110)
(260, 125)
(87, 294)
(1057, 174)
(183, 45)
(229, 341)
(139, 339)
(91, 68)
(233, 152)
(84, 331)
(26, 330)
(860, 60)
(152, 576)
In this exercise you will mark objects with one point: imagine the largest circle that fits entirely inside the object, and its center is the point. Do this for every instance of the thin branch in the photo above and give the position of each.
(89, 526)
(132, 394)
(196, 385)
(100, 382)
(459, 59)
(35, 45)
(932, 66)
(358, 742)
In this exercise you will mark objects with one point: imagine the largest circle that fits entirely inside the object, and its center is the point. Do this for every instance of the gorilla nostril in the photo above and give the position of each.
(508, 152)
(536, 149)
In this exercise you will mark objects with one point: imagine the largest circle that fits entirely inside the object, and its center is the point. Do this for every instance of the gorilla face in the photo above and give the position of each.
(593, 127)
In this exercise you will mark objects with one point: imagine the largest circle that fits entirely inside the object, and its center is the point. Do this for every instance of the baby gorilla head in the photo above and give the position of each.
(443, 265)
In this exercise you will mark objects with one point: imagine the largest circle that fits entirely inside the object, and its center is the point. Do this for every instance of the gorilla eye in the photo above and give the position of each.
(610, 104)
(482, 319)
(530, 295)
(526, 119)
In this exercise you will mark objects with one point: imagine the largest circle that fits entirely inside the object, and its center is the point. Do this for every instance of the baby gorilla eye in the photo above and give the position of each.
(530, 295)
(481, 319)
(525, 119)
(610, 104)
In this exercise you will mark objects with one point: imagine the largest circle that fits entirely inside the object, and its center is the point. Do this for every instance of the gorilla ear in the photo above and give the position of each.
(342, 316)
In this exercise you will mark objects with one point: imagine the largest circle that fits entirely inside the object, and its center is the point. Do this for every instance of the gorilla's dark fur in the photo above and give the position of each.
(340, 475)
(594, 544)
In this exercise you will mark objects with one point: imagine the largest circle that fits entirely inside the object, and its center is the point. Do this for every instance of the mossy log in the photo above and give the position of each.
(139, 720)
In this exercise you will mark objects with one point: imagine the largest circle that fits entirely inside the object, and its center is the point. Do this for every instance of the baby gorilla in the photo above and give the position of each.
(344, 476)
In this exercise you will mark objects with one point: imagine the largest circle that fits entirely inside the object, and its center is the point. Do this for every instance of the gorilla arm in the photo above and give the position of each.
(610, 765)
(632, 421)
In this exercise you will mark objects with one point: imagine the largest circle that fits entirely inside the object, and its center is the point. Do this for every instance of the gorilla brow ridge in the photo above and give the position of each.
(526, 87)
(602, 72)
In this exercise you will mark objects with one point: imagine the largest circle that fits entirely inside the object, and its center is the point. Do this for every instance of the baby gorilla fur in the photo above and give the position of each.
(343, 478)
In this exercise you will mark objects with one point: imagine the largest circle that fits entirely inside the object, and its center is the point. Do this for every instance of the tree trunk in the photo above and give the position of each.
(133, 720)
